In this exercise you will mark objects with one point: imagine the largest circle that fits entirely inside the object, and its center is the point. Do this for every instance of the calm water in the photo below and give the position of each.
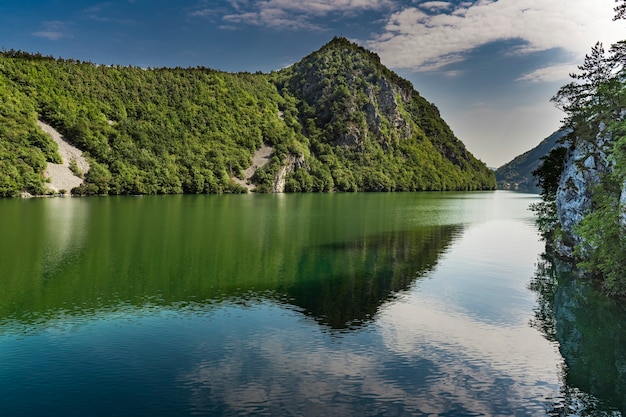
(416, 304)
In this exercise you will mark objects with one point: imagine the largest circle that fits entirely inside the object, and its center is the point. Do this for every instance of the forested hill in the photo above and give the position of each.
(337, 120)
(518, 174)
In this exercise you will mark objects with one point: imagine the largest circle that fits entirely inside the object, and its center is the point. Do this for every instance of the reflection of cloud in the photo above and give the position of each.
(406, 327)
(420, 357)
(419, 40)
(289, 372)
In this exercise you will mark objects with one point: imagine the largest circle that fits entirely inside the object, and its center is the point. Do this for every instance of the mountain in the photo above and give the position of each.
(337, 120)
(518, 174)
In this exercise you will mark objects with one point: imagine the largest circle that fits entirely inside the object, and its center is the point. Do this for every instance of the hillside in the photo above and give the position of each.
(518, 174)
(337, 120)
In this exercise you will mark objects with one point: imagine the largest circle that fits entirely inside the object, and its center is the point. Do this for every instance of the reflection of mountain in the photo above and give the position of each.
(344, 284)
(337, 257)
(590, 331)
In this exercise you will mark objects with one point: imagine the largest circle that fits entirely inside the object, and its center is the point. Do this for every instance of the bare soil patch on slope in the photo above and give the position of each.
(259, 159)
(61, 176)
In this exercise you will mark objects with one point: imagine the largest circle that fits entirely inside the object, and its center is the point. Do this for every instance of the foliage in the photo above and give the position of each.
(604, 245)
(603, 231)
(24, 148)
(370, 128)
(155, 131)
(594, 104)
(548, 175)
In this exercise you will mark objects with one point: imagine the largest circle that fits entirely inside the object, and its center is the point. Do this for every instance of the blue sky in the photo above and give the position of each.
(490, 66)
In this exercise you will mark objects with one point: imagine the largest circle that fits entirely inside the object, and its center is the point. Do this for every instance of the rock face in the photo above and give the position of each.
(291, 164)
(377, 98)
(348, 87)
(585, 164)
(384, 103)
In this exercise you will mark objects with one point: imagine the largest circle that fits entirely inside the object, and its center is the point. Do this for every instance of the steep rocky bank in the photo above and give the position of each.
(586, 164)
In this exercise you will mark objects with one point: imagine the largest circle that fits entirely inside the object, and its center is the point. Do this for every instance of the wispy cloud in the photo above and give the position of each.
(287, 14)
(419, 39)
(53, 30)
(101, 13)
(436, 5)
(558, 72)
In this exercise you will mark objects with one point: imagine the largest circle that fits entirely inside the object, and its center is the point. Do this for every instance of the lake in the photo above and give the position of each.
(401, 304)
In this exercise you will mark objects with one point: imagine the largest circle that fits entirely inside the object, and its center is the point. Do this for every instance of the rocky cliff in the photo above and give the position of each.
(582, 215)
(585, 164)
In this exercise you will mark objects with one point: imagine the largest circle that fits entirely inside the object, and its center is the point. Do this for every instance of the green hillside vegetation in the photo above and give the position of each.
(352, 125)
(518, 174)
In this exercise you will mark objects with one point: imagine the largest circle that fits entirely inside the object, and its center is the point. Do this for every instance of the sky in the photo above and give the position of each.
(490, 66)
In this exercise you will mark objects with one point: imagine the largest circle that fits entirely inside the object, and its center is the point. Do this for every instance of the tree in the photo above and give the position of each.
(577, 99)
(548, 175)
(620, 10)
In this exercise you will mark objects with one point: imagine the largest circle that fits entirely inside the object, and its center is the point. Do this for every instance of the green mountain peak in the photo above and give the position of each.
(336, 120)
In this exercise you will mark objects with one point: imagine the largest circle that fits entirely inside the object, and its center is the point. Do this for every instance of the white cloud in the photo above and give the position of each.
(53, 30)
(421, 41)
(452, 73)
(435, 5)
(288, 13)
(202, 12)
(549, 74)
(268, 16)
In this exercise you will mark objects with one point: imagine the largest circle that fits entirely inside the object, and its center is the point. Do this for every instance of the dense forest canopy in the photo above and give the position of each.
(350, 123)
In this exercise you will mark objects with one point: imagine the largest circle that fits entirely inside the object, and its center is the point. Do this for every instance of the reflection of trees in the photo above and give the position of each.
(591, 332)
(336, 258)
(341, 285)
(344, 284)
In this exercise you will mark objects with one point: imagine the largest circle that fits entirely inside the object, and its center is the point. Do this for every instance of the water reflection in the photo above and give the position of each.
(338, 259)
(386, 305)
(65, 232)
(344, 284)
(589, 330)
(422, 355)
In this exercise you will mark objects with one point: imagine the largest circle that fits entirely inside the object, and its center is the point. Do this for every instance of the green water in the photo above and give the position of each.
(334, 304)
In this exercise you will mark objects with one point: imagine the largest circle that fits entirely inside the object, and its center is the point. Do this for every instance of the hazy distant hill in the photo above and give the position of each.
(517, 174)
(337, 120)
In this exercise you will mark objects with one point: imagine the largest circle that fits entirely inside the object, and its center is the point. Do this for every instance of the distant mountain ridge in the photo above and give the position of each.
(517, 174)
(337, 120)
